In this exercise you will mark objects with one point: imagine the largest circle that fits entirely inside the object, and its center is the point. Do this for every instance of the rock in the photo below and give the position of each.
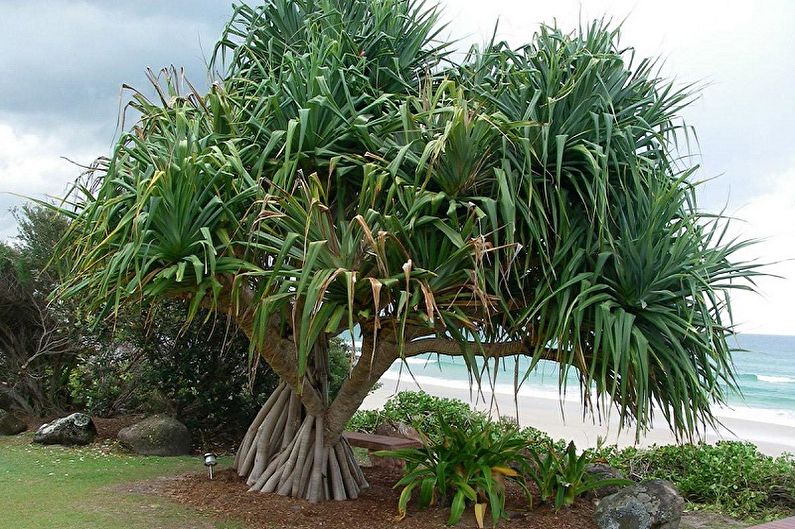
(76, 429)
(158, 435)
(652, 504)
(10, 424)
(709, 520)
(599, 471)
(399, 430)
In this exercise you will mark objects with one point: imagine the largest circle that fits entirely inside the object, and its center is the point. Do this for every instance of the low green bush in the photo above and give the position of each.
(365, 421)
(423, 411)
(532, 436)
(731, 477)
(428, 413)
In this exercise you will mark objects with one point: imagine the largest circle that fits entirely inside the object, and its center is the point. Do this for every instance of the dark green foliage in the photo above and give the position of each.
(731, 476)
(199, 373)
(339, 364)
(202, 374)
(52, 360)
(467, 465)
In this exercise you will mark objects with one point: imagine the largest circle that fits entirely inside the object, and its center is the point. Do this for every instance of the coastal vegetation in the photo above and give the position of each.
(732, 478)
(346, 173)
(53, 359)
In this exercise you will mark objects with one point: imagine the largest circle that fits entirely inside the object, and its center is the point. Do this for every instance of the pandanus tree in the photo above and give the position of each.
(346, 176)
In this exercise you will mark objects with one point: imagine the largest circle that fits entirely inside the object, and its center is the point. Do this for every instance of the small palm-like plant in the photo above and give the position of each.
(561, 476)
(465, 466)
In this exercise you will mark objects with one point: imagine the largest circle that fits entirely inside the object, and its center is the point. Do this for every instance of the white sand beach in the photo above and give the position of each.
(543, 411)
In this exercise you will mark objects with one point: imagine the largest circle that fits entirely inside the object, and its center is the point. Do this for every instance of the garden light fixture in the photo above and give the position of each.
(210, 460)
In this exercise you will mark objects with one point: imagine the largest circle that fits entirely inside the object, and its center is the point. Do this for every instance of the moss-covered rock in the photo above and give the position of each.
(10, 424)
(158, 435)
(652, 504)
(75, 429)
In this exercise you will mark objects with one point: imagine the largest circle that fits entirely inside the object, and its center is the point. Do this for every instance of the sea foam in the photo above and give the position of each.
(775, 379)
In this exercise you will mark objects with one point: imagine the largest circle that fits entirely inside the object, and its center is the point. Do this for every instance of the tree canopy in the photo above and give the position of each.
(346, 172)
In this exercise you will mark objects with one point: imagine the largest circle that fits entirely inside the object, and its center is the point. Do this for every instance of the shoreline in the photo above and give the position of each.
(563, 419)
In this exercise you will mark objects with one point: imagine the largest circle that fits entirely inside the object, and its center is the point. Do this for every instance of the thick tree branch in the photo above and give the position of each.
(450, 347)
(371, 365)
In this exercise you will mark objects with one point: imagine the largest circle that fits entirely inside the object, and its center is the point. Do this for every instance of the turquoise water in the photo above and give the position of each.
(765, 375)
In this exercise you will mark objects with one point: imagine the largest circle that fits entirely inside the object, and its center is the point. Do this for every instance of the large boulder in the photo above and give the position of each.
(602, 471)
(75, 429)
(652, 504)
(10, 424)
(158, 435)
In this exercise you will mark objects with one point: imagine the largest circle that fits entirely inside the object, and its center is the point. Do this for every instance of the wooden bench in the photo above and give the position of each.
(374, 443)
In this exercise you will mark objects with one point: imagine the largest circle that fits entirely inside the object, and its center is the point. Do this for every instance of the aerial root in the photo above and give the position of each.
(284, 451)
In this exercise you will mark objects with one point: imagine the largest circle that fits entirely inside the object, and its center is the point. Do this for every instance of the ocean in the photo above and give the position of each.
(765, 375)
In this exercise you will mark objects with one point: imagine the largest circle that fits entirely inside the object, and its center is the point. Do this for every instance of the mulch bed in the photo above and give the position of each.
(227, 497)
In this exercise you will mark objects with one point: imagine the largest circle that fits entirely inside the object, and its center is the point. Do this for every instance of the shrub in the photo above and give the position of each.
(365, 421)
(731, 477)
(426, 412)
(423, 411)
(39, 341)
(199, 373)
(106, 382)
(560, 476)
(465, 466)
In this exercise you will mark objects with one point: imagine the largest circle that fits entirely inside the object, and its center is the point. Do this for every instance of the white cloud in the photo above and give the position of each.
(32, 164)
(770, 217)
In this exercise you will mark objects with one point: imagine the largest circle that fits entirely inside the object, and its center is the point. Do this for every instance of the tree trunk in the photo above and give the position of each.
(295, 445)
(286, 451)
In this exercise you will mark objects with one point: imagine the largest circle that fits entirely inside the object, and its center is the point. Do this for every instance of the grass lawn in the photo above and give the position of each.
(84, 488)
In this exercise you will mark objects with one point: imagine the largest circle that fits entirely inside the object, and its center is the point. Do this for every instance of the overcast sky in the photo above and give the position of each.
(62, 64)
